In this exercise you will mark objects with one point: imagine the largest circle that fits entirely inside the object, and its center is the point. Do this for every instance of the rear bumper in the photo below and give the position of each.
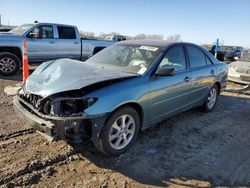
(239, 78)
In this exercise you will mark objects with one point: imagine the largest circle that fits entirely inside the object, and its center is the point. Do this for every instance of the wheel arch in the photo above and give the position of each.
(13, 50)
(218, 84)
(135, 106)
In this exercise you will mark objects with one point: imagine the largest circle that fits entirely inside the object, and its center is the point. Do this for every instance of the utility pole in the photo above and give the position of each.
(0, 20)
(216, 48)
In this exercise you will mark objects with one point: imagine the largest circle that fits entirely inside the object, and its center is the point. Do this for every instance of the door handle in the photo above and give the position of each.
(212, 71)
(52, 42)
(187, 79)
(76, 42)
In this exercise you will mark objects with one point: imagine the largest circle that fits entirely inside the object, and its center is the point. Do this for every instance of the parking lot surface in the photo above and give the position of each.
(193, 149)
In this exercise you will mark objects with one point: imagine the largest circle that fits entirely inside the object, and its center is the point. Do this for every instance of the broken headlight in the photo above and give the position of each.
(75, 106)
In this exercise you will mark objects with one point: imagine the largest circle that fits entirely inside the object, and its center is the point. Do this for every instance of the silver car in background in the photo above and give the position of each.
(239, 71)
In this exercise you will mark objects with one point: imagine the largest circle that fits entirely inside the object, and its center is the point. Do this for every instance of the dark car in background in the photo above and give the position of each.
(227, 53)
(5, 29)
(232, 53)
(220, 54)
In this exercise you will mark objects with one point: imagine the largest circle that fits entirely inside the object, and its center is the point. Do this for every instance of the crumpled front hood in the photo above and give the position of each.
(61, 75)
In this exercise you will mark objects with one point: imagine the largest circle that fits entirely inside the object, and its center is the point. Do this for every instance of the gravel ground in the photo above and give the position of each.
(194, 149)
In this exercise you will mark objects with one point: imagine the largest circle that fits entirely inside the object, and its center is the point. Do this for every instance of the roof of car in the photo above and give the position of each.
(45, 23)
(163, 43)
(148, 42)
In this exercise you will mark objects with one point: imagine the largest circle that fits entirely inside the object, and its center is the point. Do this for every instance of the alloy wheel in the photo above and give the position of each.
(7, 65)
(212, 98)
(122, 131)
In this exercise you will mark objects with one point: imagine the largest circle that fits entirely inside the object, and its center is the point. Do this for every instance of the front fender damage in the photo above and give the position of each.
(61, 114)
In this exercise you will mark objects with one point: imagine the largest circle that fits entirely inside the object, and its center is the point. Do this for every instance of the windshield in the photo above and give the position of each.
(227, 48)
(21, 29)
(132, 58)
(245, 57)
(239, 49)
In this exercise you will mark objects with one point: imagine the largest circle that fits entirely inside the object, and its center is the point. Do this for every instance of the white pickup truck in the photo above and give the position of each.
(46, 41)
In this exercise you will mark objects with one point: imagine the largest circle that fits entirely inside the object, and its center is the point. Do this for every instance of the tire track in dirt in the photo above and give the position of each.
(28, 156)
(36, 167)
(17, 133)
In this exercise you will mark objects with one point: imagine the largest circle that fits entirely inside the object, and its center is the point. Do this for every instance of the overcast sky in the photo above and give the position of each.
(198, 21)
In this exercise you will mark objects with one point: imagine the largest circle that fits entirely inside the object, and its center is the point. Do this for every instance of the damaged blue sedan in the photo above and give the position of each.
(122, 90)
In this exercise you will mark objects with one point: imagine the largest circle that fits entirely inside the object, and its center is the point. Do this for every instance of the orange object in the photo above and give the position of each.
(25, 62)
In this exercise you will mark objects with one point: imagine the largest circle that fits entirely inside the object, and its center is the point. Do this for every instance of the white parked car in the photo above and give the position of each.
(239, 71)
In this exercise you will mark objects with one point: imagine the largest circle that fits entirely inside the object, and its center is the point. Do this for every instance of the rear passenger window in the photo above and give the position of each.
(196, 57)
(175, 58)
(209, 62)
(66, 32)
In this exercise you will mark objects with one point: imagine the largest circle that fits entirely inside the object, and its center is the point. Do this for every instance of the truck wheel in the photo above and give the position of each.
(211, 100)
(120, 132)
(9, 64)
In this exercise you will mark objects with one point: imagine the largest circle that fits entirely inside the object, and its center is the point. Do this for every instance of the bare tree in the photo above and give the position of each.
(144, 36)
(87, 34)
(173, 38)
(105, 35)
(155, 37)
(140, 36)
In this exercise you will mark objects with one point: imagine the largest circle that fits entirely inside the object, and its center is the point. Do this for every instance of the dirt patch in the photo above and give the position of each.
(194, 149)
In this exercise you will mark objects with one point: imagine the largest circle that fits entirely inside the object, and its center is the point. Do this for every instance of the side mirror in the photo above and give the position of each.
(165, 71)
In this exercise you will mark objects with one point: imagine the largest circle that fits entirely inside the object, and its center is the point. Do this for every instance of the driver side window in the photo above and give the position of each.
(42, 32)
(175, 58)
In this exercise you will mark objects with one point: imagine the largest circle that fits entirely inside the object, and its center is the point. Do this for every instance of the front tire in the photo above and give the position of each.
(120, 132)
(211, 100)
(9, 64)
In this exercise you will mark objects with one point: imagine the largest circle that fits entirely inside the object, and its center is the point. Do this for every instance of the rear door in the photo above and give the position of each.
(41, 43)
(69, 44)
(203, 73)
(169, 94)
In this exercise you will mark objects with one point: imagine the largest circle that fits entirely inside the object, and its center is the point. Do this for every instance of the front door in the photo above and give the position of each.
(170, 94)
(41, 44)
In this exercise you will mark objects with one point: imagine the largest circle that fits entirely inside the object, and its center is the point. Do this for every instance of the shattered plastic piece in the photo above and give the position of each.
(151, 151)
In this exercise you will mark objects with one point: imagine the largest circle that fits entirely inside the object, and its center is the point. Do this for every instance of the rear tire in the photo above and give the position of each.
(9, 64)
(211, 99)
(120, 132)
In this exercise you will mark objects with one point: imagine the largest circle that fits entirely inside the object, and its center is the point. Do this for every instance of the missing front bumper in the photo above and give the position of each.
(46, 128)
(55, 128)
